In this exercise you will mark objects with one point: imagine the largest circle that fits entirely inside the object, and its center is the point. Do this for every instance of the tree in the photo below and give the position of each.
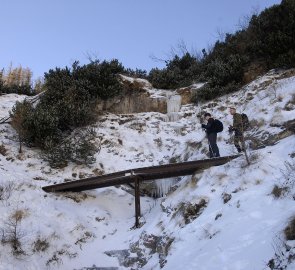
(20, 119)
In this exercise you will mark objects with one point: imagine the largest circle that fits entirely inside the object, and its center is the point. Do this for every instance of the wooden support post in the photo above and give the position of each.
(137, 201)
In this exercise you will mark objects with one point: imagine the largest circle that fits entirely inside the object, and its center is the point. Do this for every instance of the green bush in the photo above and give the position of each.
(99, 79)
(21, 120)
(137, 73)
(17, 89)
(68, 102)
(179, 72)
(78, 147)
(208, 92)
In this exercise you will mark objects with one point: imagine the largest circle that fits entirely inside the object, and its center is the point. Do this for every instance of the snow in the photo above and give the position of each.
(240, 234)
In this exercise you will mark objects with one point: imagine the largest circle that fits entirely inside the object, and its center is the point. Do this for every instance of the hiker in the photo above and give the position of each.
(212, 130)
(238, 127)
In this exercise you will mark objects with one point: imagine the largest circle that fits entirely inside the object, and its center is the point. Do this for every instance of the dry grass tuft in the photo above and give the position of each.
(278, 192)
(290, 230)
(3, 150)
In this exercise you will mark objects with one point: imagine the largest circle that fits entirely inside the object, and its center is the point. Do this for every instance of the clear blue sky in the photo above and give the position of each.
(44, 34)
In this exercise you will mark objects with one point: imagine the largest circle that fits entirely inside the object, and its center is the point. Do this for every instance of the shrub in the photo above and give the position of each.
(209, 92)
(79, 147)
(68, 102)
(268, 40)
(137, 73)
(16, 80)
(21, 120)
(179, 72)
(290, 230)
(12, 232)
(40, 245)
(99, 79)
(3, 150)
(6, 191)
(277, 191)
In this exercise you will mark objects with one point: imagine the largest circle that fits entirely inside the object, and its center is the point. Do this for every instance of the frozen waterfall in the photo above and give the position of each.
(163, 186)
(173, 107)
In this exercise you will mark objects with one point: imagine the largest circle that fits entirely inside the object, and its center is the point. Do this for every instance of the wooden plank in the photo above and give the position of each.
(145, 173)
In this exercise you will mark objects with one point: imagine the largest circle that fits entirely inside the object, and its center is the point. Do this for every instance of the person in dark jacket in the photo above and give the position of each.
(238, 128)
(211, 135)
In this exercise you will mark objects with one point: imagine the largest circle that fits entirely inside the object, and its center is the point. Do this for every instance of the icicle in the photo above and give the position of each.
(163, 187)
(173, 107)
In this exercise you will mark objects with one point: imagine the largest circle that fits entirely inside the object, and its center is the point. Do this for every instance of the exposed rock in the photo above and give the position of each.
(138, 96)
(142, 250)
(135, 98)
(261, 139)
(189, 212)
(226, 197)
(135, 84)
(186, 95)
(124, 257)
(290, 126)
(135, 102)
(153, 244)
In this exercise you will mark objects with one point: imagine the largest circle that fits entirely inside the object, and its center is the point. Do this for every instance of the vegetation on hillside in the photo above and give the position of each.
(68, 103)
(71, 93)
(268, 42)
(16, 80)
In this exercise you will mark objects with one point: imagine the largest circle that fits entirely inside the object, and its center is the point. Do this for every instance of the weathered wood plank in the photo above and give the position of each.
(145, 173)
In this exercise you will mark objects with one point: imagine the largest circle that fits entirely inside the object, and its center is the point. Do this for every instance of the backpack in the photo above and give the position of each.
(218, 126)
(245, 121)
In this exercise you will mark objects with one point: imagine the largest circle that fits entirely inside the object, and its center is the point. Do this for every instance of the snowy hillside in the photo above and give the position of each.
(224, 218)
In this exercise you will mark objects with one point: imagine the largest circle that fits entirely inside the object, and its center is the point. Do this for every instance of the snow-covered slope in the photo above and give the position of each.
(235, 222)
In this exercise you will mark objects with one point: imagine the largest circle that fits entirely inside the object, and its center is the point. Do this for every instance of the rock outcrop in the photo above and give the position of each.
(138, 96)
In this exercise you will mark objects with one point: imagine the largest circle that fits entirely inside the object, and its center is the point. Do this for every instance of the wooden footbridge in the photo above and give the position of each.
(135, 176)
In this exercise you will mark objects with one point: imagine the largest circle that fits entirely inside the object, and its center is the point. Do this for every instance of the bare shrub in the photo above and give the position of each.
(273, 88)
(258, 123)
(251, 158)
(159, 142)
(86, 236)
(56, 257)
(138, 125)
(190, 211)
(284, 255)
(12, 232)
(40, 245)
(289, 173)
(290, 105)
(54, 260)
(175, 159)
(6, 191)
(278, 192)
(287, 185)
(3, 150)
(290, 230)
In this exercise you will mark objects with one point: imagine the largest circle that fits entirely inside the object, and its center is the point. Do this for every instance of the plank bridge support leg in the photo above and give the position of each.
(137, 202)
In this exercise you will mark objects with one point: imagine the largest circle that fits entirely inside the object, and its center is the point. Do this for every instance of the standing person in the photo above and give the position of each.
(211, 131)
(238, 128)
